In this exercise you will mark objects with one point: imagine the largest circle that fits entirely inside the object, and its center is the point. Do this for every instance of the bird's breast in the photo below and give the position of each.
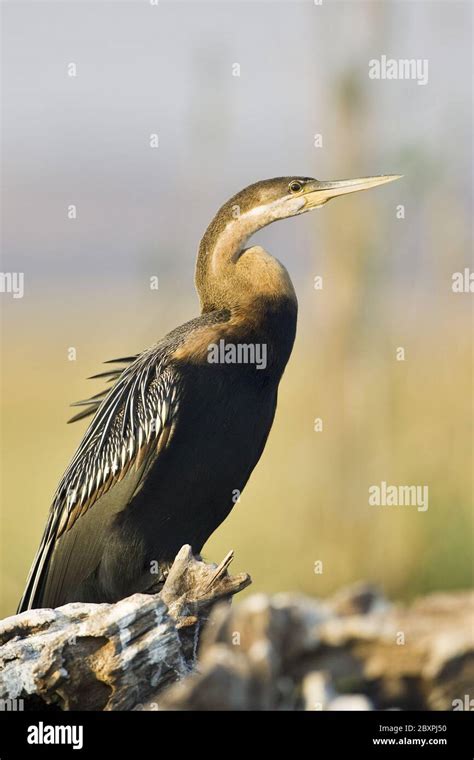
(254, 343)
(218, 437)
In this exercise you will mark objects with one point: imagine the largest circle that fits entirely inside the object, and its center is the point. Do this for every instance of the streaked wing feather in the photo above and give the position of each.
(85, 413)
(94, 402)
(122, 360)
(128, 424)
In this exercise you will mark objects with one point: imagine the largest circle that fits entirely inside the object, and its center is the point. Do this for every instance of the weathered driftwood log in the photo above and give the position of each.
(355, 651)
(112, 656)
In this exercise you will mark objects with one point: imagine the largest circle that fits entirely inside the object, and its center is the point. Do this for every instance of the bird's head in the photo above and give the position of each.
(282, 197)
(256, 206)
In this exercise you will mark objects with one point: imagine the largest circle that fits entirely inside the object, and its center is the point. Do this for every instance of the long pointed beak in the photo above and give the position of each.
(321, 192)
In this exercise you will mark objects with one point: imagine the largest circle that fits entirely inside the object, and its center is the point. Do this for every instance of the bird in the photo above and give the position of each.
(175, 436)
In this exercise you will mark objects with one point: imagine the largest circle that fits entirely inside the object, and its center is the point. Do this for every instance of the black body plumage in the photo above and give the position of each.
(113, 523)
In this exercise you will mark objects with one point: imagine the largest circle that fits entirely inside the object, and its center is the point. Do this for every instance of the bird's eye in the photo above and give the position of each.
(295, 187)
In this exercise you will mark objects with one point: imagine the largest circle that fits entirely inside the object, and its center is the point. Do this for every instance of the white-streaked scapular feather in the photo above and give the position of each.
(128, 421)
(164, 412)
(128, 425)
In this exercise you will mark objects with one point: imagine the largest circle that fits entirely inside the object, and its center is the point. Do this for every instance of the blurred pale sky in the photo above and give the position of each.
(167, 69)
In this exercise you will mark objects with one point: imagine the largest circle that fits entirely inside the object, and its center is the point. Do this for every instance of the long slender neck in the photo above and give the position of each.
(250, 283)
(228, 275)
